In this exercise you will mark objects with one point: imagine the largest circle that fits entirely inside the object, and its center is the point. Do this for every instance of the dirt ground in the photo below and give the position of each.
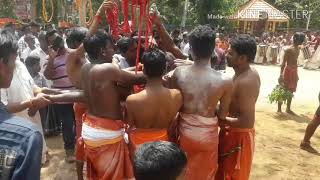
(277, 153)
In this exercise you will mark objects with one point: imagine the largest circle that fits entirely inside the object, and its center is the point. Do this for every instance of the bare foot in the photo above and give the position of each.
(289, 111)
(307, 147)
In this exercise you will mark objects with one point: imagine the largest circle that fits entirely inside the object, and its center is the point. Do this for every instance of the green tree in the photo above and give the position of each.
(7, 9)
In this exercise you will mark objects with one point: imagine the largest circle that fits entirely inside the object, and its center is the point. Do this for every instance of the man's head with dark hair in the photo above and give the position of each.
(51, 36)
(242, 50)
(10, 27)
(159, 160)
(99, 47)
(298, 38)
(42, 40)
(128, 49)
(202, 42)
(25, 29)
(8, 55)
(35, 27)
(33, 64)
(154, 63)
(30, 40)
(76, 36)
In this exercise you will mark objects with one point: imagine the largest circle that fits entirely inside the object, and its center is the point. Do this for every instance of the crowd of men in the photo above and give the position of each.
(178, 117)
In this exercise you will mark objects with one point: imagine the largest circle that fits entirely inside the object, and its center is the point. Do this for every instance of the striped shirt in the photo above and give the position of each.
(61, 79)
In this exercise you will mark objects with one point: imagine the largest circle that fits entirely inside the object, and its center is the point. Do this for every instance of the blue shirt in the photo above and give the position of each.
(20, 148)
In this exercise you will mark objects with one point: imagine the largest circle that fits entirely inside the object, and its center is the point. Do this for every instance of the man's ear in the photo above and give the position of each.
(243, 58)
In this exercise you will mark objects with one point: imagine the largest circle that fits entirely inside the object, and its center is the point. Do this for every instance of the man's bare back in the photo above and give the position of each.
(291, 56)
(202, 88)
(154, 107)
(245, 94)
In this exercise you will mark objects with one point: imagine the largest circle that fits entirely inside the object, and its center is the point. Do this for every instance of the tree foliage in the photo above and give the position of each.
(7, 9)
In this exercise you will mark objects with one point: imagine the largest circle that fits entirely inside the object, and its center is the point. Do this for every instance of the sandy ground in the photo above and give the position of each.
(277, 154)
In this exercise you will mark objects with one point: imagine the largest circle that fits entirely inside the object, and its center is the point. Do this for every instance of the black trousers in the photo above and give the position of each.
(65, 115)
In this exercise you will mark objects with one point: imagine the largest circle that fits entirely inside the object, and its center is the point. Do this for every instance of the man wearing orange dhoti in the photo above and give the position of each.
(236, 136)
(202, 88)
(152, 110)
(106, 153)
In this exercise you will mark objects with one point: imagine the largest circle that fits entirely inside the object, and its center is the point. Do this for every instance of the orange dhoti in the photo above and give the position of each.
(79, 110)
(106, 152)
(290, 78)
(140, 136)
(236, 148)
(198, 137)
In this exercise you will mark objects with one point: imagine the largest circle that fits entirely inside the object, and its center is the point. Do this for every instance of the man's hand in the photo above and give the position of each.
(182, 62)
(52, 53)
(105, 6)
(40, 101)
(281, 80)
(155, 14)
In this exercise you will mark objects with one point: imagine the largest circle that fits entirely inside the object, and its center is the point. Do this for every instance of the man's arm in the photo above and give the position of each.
(166, 38)
(72, 96)
(120, 76)
(284, 62)
(37, 102)
(247, 98)
(49, 71)
(225, 100)
(29, 165)
(106, 5)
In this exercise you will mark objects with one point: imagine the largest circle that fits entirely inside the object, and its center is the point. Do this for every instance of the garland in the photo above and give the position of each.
(45, 13)
(90, 13)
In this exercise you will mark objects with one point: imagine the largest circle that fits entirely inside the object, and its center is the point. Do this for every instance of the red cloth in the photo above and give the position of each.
(79, 110)
(198, 137)
(290, 77)
(140, 136)
(236, 149)
(108, 161)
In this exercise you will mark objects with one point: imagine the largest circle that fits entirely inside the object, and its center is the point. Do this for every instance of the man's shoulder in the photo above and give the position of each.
(251, 80)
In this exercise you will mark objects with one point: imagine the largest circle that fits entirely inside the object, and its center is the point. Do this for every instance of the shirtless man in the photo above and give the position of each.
(202, 88)
(75, 60)
(236, 137)
(103, 130)
(289, 69)
(74, 65)
(143, 109)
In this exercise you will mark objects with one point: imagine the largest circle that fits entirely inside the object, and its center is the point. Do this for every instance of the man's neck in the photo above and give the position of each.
(154, 82)
(240, 69)
(202, 62)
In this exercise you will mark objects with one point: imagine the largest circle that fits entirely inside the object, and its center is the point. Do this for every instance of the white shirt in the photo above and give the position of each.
(186, 49)
(121, 61)
(26, 52)
(182, 45)
(23, 45)
(21, 88)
